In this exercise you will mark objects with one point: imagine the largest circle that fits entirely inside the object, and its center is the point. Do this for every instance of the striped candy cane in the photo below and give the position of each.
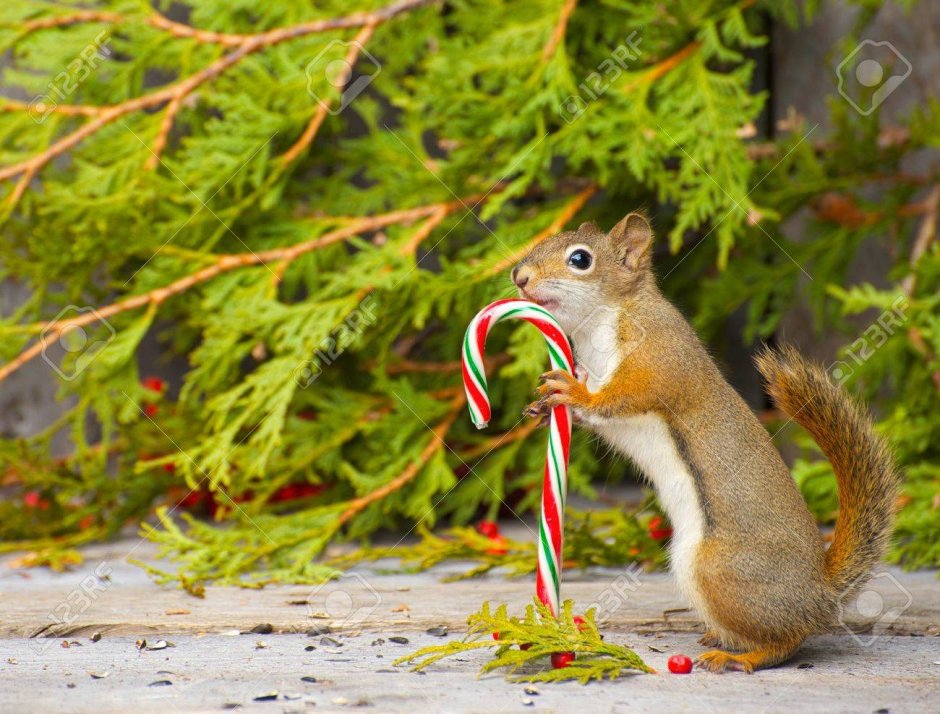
(555, 482)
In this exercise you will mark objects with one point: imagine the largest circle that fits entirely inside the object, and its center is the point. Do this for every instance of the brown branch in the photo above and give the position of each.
(888, 137)
(179, 91)
(495, 442)
(408, 365)
(53, 331)
(323, 108)
(567, 213)
(11, 105)
(163, 135)
(426, 228)
(436, 443)
(654, 72)
(558, 34)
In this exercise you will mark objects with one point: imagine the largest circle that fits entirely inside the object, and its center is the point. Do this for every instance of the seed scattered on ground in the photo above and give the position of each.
(527, 702)
(379, 641)
(339, 701)
(99, 675)
(70, 685)
(176, 612)
(309, 680)
(439, 631)
(140, 644)
(330, 642)
(12, 660)
(655, 649)
(160, 645)
(310, 648)
(318, 615)
(319, 630)
(398, 640)
(265, 628)
(292, 696)
(160, 683)
(269, 697)
(96, 637)
(401, 608)
(529, 689)
(261, 645)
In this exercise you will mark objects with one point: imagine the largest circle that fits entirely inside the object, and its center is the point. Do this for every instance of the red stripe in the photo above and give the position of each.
(542, 591)
(479, 400)
(556, 335)
(561, 416)
(550, 509)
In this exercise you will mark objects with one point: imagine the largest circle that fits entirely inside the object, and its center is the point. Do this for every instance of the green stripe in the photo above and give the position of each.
(549, 556)
(551, 450)
(481, 378)
(558, 359)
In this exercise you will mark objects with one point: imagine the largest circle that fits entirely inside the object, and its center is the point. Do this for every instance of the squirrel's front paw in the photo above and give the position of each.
(559, 387)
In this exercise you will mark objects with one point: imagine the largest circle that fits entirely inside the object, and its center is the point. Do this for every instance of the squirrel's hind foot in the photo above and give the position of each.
(767, 656)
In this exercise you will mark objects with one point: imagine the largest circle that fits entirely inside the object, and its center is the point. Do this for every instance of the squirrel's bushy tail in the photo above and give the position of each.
(865, 472)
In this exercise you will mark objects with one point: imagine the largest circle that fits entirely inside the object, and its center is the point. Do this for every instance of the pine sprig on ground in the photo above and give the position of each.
(521, 646)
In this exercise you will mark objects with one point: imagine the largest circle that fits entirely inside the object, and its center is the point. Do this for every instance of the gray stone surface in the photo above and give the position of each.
(892, 666)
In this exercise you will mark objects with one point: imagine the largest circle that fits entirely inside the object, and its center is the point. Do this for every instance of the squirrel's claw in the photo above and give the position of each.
(718, 661)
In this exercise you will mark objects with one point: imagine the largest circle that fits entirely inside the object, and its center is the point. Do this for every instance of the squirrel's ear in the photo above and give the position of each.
(632, 237)
(588, 227)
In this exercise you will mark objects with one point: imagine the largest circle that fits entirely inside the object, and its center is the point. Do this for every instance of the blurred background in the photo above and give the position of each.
(241, 244)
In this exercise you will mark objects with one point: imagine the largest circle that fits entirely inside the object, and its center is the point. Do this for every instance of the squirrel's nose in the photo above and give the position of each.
(520, 276)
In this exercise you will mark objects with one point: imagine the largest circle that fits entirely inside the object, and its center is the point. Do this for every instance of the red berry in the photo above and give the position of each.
(32, 499)
(579, 622)
(150, 410)
(154, 384)
(526, 646)
(655, 531)
(560, 660)
(680, 664)
(488, 528)
(495, 635)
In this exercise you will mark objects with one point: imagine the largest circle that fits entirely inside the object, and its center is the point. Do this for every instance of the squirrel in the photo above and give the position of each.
(745, 549)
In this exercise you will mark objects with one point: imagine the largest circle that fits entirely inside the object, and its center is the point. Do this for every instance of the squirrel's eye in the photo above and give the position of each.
(580, 259)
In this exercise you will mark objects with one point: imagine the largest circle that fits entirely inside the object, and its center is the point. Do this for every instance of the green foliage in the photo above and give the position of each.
(467, 115)
(525, 642)
(608, 538)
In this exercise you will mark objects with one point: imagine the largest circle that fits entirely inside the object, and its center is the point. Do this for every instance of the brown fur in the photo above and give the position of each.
(761, 578)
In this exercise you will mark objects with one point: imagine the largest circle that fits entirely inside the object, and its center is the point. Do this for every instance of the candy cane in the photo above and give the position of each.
(555, 482)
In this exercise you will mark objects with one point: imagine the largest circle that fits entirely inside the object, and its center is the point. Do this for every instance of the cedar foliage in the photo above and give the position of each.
(228, 215)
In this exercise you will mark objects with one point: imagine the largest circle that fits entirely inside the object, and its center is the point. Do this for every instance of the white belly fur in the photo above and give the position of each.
(646, 440)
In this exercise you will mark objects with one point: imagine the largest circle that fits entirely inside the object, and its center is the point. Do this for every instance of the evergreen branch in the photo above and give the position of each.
(413, 469)
(522, 642)
(54, 331)
(177, 93)
(926, 234)
(323, 108)
(495, 442)
(558, 34)
(663, 67)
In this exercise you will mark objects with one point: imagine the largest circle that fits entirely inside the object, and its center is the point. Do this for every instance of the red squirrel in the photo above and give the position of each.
(745, 549)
